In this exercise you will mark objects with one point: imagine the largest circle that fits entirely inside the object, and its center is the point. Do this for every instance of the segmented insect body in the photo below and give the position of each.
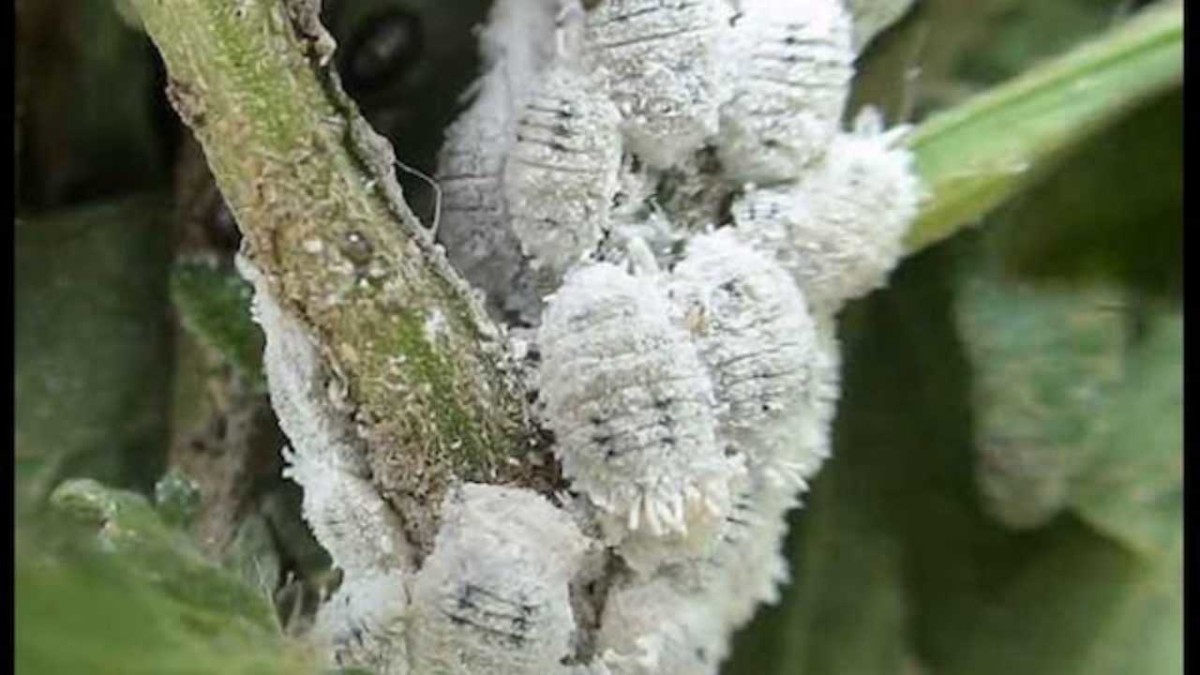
(516, 45)
(661, 61)
(363, 624)
(825, 389)
(630, 404)
(652, 628)
(752, 328)
(561, 175)
(839, 232)
(493, 595)
(474, 227)
(746, 566)
(792, 63)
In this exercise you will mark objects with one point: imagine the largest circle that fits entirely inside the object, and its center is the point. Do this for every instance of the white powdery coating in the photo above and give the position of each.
(493, 595)
(630, 404)
(646, 554)
(791, 64)
(752, 329)
(358, 528)
(680, 618)
(661, 61)
(516, 45)
(825, 389)
(362, 534)
(651, 628)
(840, 231)
(561, 176)
(746, 567)
(363, 624)
(473, 224)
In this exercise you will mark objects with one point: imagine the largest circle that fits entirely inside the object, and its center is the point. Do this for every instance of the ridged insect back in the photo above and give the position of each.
(629, 402)
(493, 596)
(661, 59)
(753, 331)
(790, 79)
(561, 174)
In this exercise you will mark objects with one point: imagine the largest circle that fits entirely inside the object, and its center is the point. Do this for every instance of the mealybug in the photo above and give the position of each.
(651, 628)
(493, 595)
(516, 45)
(561, 174)
(363, 624)
(792, 63)
(746, 566)
(753, 331)
(348, 516)
(630, 403)
(839, 232)
(661, 61)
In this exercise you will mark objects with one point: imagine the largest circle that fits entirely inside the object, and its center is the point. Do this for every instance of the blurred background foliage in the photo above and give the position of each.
(1006, 489)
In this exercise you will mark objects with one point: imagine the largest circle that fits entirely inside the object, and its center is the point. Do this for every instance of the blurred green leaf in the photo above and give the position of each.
(1070, 602)
(896, 496)
(214, 305)
(1045, 364)
(1024, 32)
(177, 498)
(1133, 488)
(87, 609)
(976, 155)
(92, 345)
(897, 567)
(1111, 213)
(166, 558)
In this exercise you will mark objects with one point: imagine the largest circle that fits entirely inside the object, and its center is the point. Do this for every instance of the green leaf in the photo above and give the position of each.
(975, 156)
(1133, 487)
(127, 524)
(897, 567)
(92, 344)
(1112, 212)
(1045, 362)
(80, 609)
(177, 498)
(1070, 602)
(214, 305)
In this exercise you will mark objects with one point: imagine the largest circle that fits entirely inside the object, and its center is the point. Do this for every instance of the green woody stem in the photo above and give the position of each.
(313, 190)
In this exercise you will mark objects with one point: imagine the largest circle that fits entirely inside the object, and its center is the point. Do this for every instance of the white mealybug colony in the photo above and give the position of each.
(662, 63)
(651, 628)
(493, 595)
(517, 46)
(791, 63)
(752, 328)
(659, 196)
(840, 229)
(473, 221)
(364, 624)
(561, 175)
(630, 404)
(745, 568)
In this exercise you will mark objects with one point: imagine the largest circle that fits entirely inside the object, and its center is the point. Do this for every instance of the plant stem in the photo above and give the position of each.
(314, 193)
